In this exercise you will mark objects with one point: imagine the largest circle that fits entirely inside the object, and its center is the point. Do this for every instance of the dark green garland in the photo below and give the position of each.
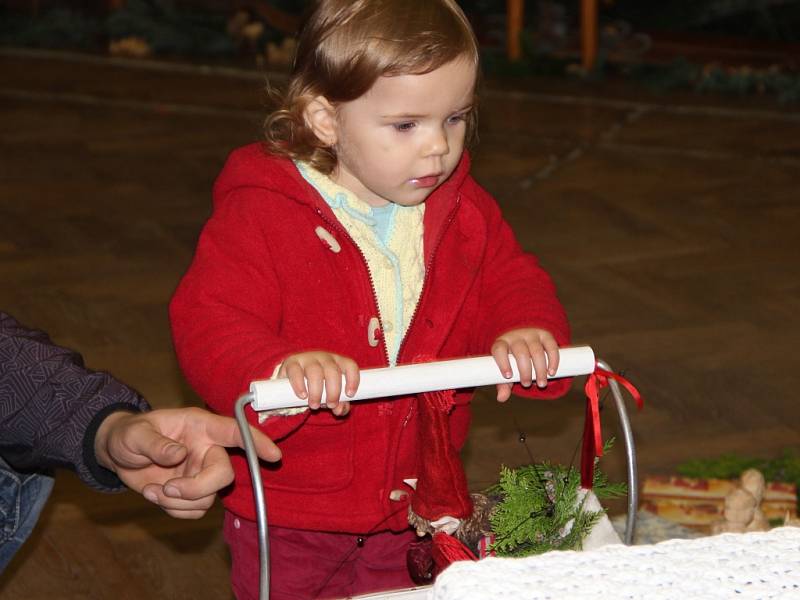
(730, 466)
(536, 505)
(778, 81)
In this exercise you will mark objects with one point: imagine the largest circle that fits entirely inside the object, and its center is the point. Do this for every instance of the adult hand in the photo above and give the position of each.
(175, 458)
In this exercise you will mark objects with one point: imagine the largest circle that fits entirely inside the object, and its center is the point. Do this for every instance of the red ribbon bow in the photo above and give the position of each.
(592, 437)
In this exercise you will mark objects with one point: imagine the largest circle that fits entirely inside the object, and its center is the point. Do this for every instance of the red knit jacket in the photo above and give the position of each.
(267, 282)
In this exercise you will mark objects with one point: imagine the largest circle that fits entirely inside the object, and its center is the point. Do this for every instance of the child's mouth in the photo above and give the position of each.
(425, 182)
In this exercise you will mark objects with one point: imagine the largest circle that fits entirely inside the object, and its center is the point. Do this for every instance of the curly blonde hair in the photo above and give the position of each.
(346, 45)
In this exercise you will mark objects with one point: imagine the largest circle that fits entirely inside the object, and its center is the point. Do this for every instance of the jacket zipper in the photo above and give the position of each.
(343, 232)
(428, 269)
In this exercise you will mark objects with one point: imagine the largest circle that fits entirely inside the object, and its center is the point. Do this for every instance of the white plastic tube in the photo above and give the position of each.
(423, 377)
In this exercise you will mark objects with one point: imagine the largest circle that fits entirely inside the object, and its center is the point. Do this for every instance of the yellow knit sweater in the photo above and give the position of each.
(394, 255)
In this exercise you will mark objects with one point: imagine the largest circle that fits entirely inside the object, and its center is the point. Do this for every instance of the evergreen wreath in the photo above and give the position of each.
(538, 508)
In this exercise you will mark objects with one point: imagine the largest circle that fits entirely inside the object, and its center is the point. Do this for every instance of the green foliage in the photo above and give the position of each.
(780, 82)
(538, 510)
(167, 29)
(58, 28)
(495, 64)
(730, 466)
(171, 31)
(766, 19)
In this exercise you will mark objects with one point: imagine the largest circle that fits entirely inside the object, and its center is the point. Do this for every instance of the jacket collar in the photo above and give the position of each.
(438, 206)
(307, 193)
(252, 166)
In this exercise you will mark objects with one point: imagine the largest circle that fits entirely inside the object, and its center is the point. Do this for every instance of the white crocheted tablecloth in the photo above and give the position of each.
(752, 565)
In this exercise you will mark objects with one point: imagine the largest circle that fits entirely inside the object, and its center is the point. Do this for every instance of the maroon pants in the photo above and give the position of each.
(307, 565)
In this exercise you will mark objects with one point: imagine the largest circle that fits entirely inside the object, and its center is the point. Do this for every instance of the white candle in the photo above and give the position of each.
(423, 377)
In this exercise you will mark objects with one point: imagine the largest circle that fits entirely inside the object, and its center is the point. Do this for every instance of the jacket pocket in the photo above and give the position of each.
(318, 457)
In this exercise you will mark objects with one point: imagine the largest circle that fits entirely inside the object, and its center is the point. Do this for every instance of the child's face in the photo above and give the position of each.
(404, 137)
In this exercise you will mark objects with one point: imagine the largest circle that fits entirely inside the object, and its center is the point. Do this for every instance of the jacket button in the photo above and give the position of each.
(327, 237)
(373, 330)
(397, 495)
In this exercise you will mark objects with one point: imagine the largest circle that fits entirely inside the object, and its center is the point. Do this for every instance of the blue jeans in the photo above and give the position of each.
(22, 498)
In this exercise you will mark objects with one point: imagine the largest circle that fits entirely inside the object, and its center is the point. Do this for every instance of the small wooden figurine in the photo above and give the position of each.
(742, 510)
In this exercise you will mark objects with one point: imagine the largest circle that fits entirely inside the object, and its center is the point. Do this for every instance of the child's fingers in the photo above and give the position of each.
(352, 376)
(522, 354)
(500, 354)
(342, 408)
(503, 391)
(539, 360)
(333, 384)
(294, 372)
(315, 381)
(553, 356)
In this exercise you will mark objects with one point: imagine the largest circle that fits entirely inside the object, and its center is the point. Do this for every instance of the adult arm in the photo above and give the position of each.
(51, 406)
(56, 413)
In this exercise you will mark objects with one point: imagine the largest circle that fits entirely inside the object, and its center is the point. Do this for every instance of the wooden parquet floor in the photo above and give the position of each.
(670, 225)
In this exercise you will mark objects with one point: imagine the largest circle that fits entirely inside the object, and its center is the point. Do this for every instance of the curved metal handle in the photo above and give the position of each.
(439, 375)
(630, 453)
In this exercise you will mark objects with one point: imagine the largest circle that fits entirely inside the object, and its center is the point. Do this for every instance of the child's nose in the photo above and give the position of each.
(438, 144)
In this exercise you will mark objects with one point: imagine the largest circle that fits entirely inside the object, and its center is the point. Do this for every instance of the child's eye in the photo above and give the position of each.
(406, 126)
(457, 118)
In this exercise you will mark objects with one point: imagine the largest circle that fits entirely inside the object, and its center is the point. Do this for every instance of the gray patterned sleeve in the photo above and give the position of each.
(51, 406)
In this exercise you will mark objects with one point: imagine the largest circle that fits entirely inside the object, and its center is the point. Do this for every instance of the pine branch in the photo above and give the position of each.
(538, 510)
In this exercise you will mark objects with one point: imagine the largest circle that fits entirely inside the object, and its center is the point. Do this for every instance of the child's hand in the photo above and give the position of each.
(321, 370)
(528, 346)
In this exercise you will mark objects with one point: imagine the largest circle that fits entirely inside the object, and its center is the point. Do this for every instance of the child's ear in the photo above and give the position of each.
(321, 118)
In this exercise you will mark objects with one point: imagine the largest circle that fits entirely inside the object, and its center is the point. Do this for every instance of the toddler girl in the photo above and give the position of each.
(354, 237)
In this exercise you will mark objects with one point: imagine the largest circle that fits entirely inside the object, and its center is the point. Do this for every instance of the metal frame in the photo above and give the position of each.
(630, 454)
(261, 502)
